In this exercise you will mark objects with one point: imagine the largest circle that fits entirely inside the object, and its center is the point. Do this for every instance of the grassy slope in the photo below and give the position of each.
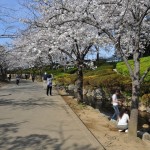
(145, 63)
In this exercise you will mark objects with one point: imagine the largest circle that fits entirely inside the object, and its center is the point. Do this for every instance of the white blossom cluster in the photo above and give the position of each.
(73, 26)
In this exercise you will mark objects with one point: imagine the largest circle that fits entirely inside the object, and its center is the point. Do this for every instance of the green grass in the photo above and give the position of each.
(144, 64)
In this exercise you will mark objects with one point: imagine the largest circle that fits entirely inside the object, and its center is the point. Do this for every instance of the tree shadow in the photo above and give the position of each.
(8, 141)
(29, 103)
(33, 141)
(5, 130)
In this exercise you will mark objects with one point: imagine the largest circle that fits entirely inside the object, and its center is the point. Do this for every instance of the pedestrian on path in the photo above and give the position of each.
(17, 79)
(49, 85)
(9, 77)
(33, 78)
(26, 76)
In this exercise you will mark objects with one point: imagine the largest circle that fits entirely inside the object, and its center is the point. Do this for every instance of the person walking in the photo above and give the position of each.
(17, 79)
(49, 85)
(26, 76)
(123, 120)
(33, 78)
(115, 103)
(9, 77)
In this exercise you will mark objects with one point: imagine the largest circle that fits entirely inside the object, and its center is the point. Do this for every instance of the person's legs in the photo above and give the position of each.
(17, 82)
(122, 128)
(50, 90)
(47, 90)
(116, 113)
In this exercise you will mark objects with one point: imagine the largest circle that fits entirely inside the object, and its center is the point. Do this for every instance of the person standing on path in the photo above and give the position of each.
(49, 85)
(17, 79)
(33, 78)
(26, 76)
(115, 103)
(9, 77)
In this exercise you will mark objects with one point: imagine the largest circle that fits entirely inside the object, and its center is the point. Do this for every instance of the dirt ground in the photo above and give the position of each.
(103, 129)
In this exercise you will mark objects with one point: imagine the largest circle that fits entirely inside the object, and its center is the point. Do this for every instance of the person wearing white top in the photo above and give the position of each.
(123, 119)
(115, 102)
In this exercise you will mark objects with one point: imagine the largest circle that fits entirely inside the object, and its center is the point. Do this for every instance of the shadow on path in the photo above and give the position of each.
(29, 103)
(33, 141)
(12, 139)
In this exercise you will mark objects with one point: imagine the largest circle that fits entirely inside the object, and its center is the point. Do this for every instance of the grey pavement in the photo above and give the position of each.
(31, 120)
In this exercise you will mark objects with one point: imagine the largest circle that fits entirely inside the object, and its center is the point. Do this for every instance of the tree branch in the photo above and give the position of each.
(86, 50)
(142, 17)
(144, 75)
(67, 53)
(124, 58)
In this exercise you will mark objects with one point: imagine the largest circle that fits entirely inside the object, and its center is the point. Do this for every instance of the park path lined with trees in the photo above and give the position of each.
(70, 29)
(29, 119)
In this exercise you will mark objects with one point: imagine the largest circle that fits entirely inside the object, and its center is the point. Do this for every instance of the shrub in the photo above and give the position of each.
(109, 81)
(66, 79)
(145, 88)
(71, 70)
(146, 99)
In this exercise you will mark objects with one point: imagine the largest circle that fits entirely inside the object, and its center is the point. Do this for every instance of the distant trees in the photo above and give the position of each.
(3, 63)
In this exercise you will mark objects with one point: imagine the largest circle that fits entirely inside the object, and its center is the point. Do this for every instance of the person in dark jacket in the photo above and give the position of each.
(49, 85)
(33, 78)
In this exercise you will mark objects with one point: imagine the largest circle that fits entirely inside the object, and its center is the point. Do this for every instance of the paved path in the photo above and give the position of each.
(31, 120)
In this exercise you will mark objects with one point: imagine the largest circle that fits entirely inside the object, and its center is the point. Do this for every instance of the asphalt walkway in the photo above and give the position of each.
(31, 120)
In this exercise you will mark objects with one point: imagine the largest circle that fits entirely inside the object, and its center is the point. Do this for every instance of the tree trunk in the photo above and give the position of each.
(79, 83)
(134, 110)
(3, 73)
(135, 96)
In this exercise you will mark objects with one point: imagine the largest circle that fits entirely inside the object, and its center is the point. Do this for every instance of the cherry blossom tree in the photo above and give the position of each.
(127, 36)
(74, 40)
(125, 22)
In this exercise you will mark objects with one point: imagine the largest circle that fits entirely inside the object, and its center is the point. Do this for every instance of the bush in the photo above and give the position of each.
(109, 81)
(104, 69)
(145, 88)
(71, 70)
(146, 99)
(66, 79)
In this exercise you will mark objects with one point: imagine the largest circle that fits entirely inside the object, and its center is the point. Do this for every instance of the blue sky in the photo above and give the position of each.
(10, 12)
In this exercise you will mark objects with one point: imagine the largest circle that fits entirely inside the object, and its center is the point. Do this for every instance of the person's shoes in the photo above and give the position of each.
(109, 118)
(112, 120)
(120, 130)
(126, 130)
